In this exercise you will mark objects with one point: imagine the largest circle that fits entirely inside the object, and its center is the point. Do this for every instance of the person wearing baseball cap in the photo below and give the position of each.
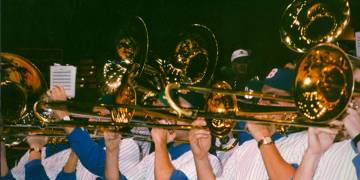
(238, 74)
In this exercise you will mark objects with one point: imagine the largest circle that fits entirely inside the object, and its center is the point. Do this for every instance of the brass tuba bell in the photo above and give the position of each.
(305, 24)
(194, 58)
(21, 85)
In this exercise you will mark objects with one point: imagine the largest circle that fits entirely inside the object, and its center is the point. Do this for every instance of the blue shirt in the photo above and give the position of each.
(356, 160)
(92, 155)
(175, 152)
(35, 170)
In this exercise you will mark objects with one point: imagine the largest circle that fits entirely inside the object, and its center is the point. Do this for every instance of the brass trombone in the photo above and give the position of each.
(322, 89)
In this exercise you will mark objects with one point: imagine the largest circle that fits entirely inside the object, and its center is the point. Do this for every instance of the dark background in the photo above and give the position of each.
(81, 32)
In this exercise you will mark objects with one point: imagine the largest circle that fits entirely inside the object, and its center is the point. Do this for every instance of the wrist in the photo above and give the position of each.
(202, 161)
(112, 149)
(313, 153)
(35, 146)
(36, 149)
(160, 143)
(34, 153)
(261, 136)
(161, 147)
(267, 140)
(201, 158)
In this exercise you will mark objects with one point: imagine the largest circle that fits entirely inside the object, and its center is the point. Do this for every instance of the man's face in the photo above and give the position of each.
(240, 67)
(126, 49)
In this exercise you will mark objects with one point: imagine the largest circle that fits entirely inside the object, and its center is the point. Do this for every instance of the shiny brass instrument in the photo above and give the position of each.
(194, 58)
(121, 80)
(305, 24)
(222, 110)
(56, 134)
(21, 85)
(324, 83)
(131, 78)
(323, 87)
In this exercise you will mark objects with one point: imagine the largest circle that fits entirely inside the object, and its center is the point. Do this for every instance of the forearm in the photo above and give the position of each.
(276, 167)
(163, 166)
(204, 169)
(112, 165)
(71, 163)
(4, 165)
(307, 167)
(4, 168)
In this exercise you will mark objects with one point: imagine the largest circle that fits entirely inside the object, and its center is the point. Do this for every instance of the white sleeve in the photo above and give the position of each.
(54, 164)
(143, 170)
(186, 164)
(19, 170)
(129, 155)
(216, 165)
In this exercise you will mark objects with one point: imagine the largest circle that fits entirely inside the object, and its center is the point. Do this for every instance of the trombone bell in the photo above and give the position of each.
(323, 83)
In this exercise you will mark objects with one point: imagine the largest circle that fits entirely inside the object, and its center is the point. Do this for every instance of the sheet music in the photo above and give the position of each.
(64, 76)
(357, 39)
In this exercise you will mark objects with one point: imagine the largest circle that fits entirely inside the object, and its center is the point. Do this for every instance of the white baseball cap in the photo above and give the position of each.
(239, 53)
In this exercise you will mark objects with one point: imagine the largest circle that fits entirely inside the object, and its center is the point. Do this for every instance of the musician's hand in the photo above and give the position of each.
(320, 139)
(200, 139)
(259, 131)
(112, 140)
(162, 136)
(57, 93)
(36, 140)
(352, 122)
(101, 110)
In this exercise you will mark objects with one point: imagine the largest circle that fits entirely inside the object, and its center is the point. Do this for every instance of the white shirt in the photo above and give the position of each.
(53, 165)
(246, 161)
(144, 170)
